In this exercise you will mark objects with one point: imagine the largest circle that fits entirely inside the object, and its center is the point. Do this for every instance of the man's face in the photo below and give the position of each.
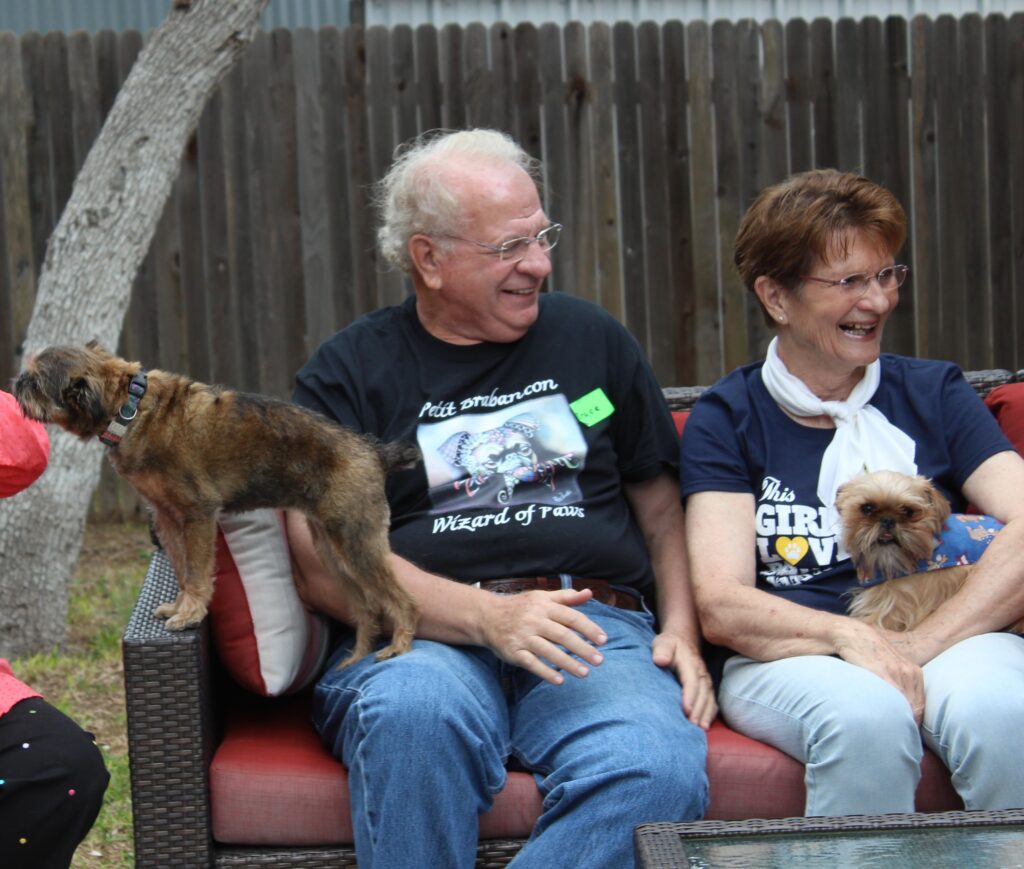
(470, 294)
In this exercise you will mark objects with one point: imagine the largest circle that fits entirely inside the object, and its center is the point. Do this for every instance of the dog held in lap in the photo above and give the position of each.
(190, 450)
(911, 553)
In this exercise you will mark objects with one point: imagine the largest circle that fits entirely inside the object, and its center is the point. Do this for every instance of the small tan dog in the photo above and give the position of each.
(191, 450)
(891, 522)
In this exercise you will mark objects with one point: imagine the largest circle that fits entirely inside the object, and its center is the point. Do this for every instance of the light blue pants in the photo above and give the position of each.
(856, 735)
(425, 737)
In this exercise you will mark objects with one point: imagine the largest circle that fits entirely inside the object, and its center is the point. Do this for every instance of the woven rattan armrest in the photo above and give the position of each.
(172, 729)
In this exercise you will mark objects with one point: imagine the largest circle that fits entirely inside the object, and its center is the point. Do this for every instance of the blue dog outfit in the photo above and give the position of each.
(964, 537)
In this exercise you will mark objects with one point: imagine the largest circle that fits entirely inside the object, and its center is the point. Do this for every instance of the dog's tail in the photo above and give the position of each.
(398, 455)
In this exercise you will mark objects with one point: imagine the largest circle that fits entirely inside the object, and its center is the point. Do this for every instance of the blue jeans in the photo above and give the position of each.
(856, 736)
(426, 736)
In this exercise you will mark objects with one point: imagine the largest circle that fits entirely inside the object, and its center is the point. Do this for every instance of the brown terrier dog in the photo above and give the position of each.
(190, 450)
(891, 522)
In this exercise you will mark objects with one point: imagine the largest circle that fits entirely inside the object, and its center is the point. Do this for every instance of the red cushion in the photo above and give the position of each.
(1007, 404)
(265, 638)
(752, 780)
(272, 782)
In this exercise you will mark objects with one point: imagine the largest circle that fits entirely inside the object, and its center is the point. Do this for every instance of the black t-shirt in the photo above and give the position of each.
(526, 445)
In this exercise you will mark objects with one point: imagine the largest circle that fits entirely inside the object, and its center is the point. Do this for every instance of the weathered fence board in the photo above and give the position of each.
(655, 137)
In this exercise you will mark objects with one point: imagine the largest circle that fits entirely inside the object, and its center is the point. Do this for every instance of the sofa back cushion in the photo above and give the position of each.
(679, 417)
(1007, 405)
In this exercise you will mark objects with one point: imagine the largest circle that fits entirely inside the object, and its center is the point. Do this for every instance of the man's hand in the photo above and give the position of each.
(699, 706)
(541, 631)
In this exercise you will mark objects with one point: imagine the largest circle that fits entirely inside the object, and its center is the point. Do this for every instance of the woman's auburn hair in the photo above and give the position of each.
(812, 216)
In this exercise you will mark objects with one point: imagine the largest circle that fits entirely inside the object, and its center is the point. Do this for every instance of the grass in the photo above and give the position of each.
(85, 678)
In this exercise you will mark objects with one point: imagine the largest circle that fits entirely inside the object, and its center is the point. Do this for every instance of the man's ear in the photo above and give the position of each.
(773, 297)
(423, 252)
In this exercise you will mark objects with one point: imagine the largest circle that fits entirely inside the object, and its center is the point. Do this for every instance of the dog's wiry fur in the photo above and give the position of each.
(890, 522)
(195, 449)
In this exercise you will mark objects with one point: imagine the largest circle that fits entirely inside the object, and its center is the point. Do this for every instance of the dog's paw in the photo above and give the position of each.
(165, 610)
(399, 645)
(180, 622)
(180, 615)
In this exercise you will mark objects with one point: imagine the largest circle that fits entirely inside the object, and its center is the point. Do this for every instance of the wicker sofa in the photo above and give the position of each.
(221, 777)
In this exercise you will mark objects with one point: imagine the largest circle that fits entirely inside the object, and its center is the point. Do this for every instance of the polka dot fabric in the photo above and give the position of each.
(52, 781)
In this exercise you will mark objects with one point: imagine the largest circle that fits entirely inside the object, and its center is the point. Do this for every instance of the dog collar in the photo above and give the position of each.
(119, 424)
(963, 539)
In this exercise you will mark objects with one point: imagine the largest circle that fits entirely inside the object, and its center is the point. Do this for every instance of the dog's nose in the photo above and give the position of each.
(888, 523)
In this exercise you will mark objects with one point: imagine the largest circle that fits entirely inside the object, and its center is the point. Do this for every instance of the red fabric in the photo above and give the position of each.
(679, 417)
(234, 635)
(24, 448)
(12, 689)
(273, 783)
(1007, 405)
(752, 780)
(266, 639)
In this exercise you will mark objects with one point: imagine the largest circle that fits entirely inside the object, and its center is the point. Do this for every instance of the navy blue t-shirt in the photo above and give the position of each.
(739, 440)
(526, 445)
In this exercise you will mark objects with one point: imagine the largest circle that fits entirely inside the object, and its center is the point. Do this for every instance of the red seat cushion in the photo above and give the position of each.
(273, 783)
(752, 780)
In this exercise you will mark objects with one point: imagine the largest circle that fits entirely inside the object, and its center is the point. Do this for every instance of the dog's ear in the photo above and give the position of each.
(940, 509)
(94, 346)
(841, 492)
(84, 404)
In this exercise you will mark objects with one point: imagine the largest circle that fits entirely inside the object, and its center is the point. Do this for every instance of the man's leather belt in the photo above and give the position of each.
(603, 590)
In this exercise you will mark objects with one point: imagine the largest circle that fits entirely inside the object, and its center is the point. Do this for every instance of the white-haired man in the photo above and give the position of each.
(543, 522)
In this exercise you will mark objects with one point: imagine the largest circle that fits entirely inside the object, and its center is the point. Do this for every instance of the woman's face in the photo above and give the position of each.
(828, 334)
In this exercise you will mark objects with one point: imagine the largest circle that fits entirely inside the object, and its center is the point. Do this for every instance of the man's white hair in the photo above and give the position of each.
(414, 196)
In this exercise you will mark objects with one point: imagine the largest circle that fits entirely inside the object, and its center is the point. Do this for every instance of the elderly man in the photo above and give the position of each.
(543, 523)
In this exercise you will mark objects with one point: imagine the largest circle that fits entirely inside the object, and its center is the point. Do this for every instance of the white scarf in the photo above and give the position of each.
(864, 440)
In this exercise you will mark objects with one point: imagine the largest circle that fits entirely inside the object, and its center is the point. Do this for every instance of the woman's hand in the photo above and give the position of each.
(670, 650)
(872, 649)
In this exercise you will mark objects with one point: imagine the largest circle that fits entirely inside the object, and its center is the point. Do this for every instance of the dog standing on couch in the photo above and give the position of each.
(191, 450)
(893, 525)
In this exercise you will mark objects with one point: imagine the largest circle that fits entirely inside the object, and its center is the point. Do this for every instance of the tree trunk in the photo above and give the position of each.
(85, 286)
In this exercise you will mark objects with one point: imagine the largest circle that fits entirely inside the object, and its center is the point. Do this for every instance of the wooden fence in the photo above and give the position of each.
(654, 138)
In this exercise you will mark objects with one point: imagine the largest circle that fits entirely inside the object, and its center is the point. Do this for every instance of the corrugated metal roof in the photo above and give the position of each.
(22, 16)
(416, 12)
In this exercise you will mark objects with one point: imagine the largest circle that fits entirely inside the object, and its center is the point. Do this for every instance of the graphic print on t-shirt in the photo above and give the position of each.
(530, 452)
(793, 542)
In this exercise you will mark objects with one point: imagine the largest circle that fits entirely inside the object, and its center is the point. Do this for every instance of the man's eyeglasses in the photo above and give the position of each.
(516, 249)
(888, 278)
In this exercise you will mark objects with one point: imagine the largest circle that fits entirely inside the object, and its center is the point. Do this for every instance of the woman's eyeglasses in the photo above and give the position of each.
(888, 278)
